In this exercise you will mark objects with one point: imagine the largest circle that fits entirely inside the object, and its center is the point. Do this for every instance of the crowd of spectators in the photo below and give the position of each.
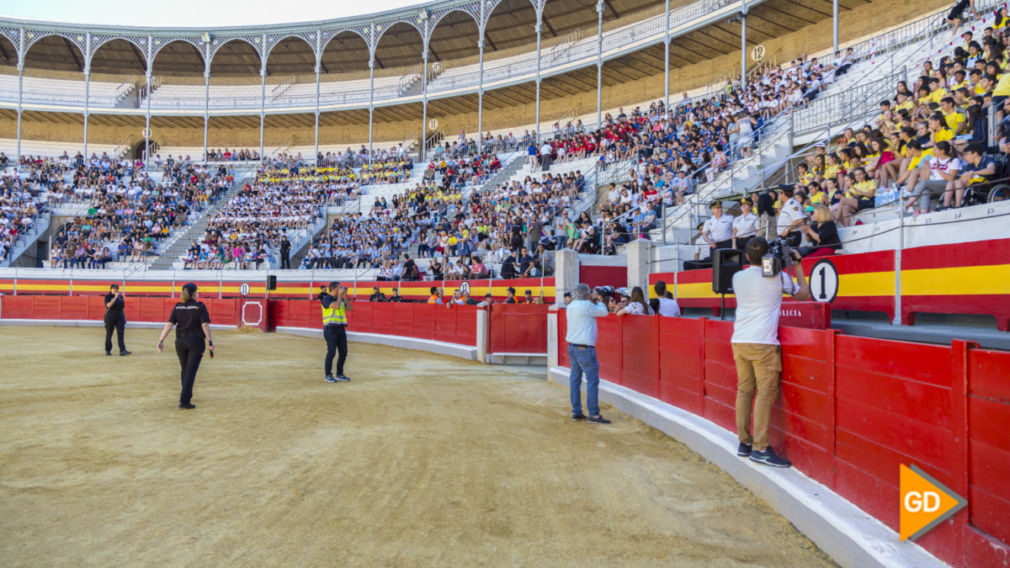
(495, 227)
(247, 230)
(20, 208)
(128, 213)
(232, 155)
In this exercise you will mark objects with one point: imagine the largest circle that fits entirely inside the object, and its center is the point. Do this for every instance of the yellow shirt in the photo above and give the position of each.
(943, 135)
(866, 187)
(914, 162)
(1002, 87)
(907, 105)
(954, 120)
(830, 171)
(818, 197)
(937, 95)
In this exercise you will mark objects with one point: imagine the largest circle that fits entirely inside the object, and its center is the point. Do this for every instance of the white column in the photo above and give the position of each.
(480, 89)
(834, 24)
(21, 77)
(148, 77)
(87, 89)
(539, 28)
(315, 156)
(21, 91)
(599, 62)
(666, 60)
(566, 272)
(424, 103)
(743, 48)
(319, 64)
(371, 104)
(639, 252)
(206, 108)
(263, 93)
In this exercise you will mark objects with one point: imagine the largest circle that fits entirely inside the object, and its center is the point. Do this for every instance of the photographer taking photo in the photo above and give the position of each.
(756, 349)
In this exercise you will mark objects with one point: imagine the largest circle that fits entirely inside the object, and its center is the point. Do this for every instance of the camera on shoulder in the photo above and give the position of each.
(777, 258)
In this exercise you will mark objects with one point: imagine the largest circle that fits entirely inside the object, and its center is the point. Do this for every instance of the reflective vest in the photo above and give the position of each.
(433, 299)
(334, 315)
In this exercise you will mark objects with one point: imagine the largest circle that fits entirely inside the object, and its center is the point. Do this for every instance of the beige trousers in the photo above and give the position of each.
(758, 367)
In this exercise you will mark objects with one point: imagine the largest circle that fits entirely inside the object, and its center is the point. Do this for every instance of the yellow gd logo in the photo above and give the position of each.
(925, 502)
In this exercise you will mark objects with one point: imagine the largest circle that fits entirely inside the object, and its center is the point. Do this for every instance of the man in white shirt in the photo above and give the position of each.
(666, 307)
(718, 229)
(790, 218)
(756, 349)
(580, 316)
(744, 225)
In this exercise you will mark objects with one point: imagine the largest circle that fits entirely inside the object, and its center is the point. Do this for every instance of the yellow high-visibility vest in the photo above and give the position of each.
(334, 314)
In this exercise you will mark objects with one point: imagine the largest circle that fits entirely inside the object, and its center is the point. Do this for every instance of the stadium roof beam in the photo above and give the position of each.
(765, 20)
(73, 53)
(812, 9)
(771, 8)
(609, 4)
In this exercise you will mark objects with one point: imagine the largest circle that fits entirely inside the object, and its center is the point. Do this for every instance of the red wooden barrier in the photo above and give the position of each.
(851, 410)
(519, 328)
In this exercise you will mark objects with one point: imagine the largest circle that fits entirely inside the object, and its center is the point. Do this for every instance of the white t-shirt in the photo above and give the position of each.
(758, 303)
(668, 308)
(946, 166)
(635, 309)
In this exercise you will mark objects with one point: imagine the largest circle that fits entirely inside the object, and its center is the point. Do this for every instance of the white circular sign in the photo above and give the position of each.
(758, 53)
(244, 289)
(824, 281)
(465, 287)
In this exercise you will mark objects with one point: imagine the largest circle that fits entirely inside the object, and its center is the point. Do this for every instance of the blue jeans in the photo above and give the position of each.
(583, 360)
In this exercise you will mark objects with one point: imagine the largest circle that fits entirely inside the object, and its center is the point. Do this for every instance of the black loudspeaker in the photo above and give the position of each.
(271, 282)
(725, 263)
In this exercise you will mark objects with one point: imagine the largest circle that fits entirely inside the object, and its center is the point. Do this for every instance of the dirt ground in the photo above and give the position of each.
(421, 460)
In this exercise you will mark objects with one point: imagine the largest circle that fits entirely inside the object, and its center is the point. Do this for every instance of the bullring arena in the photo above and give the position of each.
(448, 188)
(420, 460)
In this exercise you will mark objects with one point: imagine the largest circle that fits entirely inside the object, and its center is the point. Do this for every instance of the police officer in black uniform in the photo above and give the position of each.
(115, 319)
(335, 309)
(192, 323)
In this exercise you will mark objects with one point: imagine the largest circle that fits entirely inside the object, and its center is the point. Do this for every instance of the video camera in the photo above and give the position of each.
(778, 257)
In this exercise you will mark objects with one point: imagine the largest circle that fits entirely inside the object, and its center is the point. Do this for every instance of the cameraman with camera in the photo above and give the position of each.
(756, 349)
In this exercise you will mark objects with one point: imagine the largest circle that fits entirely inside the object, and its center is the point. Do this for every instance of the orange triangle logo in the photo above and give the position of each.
(925, 502)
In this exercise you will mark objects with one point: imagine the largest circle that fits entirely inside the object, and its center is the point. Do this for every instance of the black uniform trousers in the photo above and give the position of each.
(119, 325)
(285, 259)
(336, 340)
(190, 350)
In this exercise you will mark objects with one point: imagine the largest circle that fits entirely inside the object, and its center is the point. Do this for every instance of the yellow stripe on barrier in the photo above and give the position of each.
(957, 281)
(951, 281)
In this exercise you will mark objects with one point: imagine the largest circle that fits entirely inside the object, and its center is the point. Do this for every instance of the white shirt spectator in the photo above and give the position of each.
(759, 302)
(668, 307)
(719, 228)
(936, 165)
(581, 319)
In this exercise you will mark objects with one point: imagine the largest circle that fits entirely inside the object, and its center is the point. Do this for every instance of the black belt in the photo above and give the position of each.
(582, 346)
(335, 325)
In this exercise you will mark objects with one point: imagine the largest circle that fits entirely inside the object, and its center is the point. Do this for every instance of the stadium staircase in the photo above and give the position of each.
(176, 245)
(27, 240)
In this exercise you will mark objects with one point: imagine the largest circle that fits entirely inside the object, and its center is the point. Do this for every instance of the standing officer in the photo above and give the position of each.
(285, 253)
(193, 326)
(115, 319)
(335, 308)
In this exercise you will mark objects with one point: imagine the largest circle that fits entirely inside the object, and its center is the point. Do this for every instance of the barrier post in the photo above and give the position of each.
(961, 468)
(70, 289)
(15, 281)
(482, 334)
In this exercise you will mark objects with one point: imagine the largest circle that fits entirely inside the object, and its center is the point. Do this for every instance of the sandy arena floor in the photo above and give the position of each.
(422, 460)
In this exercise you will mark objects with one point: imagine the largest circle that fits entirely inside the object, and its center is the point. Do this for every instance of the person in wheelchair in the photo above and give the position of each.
(982, 178)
